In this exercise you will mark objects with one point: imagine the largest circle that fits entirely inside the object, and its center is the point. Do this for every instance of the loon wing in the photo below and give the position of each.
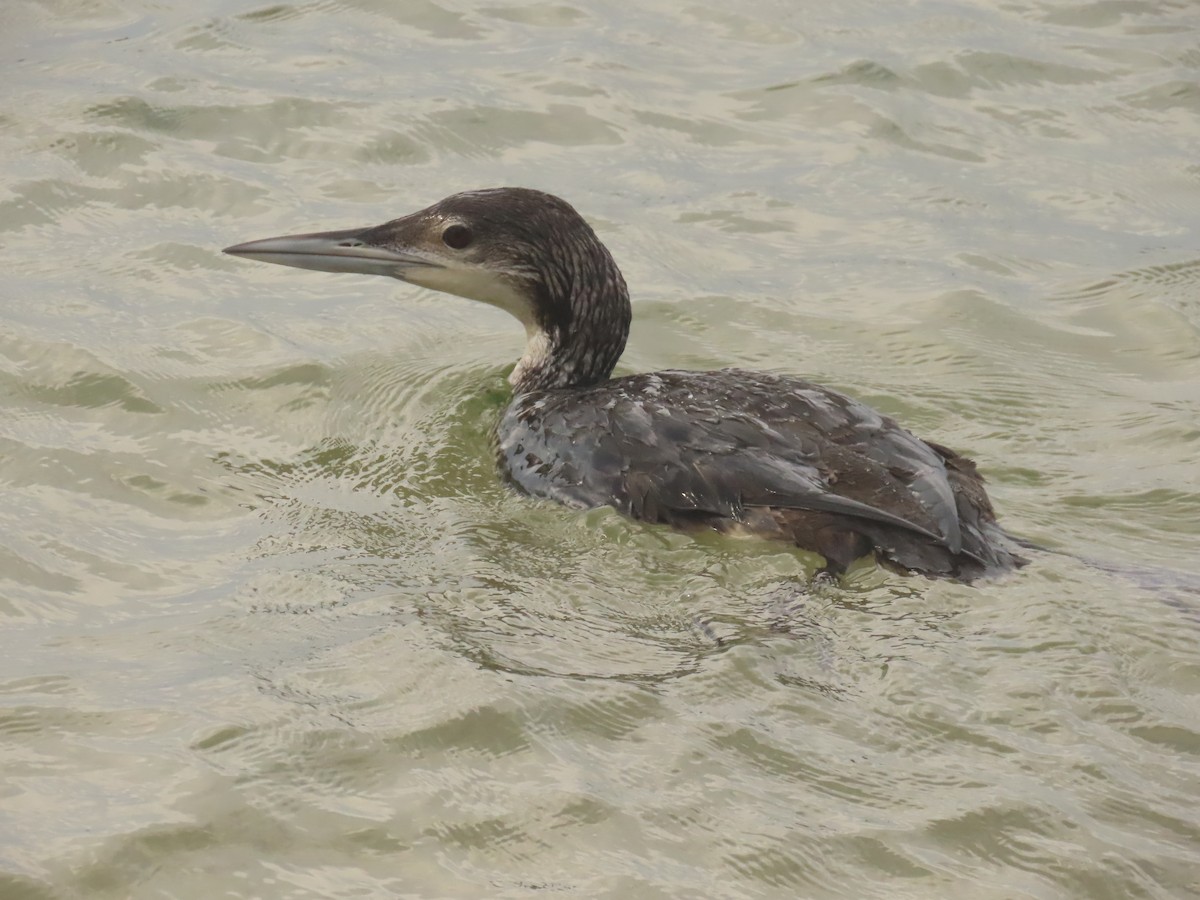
(693, 443)
(726, 486)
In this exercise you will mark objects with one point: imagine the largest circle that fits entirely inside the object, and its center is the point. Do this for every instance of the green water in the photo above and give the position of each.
(271, 627)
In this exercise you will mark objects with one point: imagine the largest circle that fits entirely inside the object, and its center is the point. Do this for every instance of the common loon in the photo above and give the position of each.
(731, 450)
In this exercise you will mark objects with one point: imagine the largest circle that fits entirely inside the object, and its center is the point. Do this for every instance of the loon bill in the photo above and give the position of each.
(730, 450)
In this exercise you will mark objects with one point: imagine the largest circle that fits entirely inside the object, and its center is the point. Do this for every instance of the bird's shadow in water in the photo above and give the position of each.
(844, 631)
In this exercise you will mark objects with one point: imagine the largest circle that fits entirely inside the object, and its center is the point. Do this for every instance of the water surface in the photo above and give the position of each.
(271, 627)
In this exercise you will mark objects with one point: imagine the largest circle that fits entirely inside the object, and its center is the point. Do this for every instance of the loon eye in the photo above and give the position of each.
(456, 236)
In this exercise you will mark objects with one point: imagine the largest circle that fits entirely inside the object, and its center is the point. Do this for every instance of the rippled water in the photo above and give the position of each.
(270, 626)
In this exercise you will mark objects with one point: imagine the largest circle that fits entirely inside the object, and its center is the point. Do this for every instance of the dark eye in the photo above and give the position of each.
(456, 236)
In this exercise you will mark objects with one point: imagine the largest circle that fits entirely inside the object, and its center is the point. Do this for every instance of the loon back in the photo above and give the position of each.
(731, 450)
(746, 451)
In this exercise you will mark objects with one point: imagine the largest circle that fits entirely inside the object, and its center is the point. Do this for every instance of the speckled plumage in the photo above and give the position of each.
(778, 456)
(731, 450)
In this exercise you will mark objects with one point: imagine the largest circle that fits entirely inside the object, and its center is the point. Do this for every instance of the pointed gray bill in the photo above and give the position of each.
(332, 251)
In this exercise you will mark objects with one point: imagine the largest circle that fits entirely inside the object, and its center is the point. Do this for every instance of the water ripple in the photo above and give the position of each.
(274, 626)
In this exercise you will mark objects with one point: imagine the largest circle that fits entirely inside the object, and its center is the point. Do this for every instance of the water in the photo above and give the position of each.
(270, 626)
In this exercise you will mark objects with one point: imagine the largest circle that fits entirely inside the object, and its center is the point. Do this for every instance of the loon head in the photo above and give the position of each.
(524, 251)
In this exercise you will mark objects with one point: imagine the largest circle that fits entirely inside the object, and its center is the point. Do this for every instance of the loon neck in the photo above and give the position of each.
(579, 331)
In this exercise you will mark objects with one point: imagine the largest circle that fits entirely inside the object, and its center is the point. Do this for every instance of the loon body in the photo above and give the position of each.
(732, 450)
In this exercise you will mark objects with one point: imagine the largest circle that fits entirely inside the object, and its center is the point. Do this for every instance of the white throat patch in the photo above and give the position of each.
(480, 284)
(537, 354)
